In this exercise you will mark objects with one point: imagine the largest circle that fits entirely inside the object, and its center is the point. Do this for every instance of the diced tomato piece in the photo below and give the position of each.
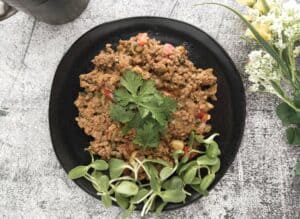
(203, 116)
(142, 38)
(168, 49)
(200, 115)
(107, 92)
(186, 149)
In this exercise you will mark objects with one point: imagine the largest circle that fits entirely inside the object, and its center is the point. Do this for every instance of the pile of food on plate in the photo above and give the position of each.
(147, 108)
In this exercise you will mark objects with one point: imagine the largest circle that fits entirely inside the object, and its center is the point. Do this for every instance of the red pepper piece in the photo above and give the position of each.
(186, 149)
(107, 93)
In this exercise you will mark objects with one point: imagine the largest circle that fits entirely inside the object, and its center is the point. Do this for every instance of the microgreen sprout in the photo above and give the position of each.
(166, 184)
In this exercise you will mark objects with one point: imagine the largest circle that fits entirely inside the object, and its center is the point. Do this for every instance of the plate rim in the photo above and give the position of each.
(242, 100)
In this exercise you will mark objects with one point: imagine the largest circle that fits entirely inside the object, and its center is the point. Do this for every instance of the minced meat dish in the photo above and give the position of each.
(174, 75)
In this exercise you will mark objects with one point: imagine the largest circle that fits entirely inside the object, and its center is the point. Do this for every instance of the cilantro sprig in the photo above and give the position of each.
(139, 105)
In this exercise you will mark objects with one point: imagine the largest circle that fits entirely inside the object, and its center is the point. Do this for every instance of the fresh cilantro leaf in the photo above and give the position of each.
(293, 136)
(143, 111)
(123, 97)
(141, 106)
(136, 122)
(132, 82)
(119, 113)
(148, 136)
(148, 88)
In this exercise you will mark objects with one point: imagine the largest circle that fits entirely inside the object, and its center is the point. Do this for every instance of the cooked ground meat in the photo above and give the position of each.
(174, 74)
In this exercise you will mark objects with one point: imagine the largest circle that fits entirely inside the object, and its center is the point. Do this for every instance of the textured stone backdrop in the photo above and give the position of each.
(260, 183)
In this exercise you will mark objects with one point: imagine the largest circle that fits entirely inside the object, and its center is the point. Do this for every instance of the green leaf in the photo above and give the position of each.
(123, 97)
(132, 82)
(199, 139)
(103, 183)
(215, 168)
(196, 181)
(158, 161)
(100, 165)
(116, 167)
(213, 150)
(174, 182)
(148, 88)
(205, 160)
(154, 180)
(176, 154)
(165, 173)
(160, 208)
(187, 166)
(128, 212)
(197, 189)
(120, 114)
(297, 100)
(293, 136)
(287, 114)
(136, 122)
(173, 196)
(127, 188)
(140, 195)
(143, 112)
(106, 200)
(96, 174)
(185, 158)
(207, 181)
(147, 137)
(122, 201)
(78, 172)
(189, 175)
(297, 169)
(210, 139)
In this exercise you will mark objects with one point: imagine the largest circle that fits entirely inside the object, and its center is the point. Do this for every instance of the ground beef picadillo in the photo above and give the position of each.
(175, 75)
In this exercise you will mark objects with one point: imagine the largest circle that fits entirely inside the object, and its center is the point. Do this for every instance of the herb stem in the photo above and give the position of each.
(142, 199)
(141, 165)
(121, 178)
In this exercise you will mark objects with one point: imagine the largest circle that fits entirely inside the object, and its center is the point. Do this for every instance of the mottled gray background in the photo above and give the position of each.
(260, 183)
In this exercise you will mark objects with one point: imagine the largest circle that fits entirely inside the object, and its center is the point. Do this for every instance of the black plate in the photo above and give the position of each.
(228, 117)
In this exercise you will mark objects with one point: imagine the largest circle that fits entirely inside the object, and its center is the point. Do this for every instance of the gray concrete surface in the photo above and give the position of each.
(260, 183)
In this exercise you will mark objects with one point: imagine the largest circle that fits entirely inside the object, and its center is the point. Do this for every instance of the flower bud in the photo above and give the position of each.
(262, 29)
(248, 3)
(177, 144)
(261, 6)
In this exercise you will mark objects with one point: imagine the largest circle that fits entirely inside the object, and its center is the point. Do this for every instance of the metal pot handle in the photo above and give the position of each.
(6, 11)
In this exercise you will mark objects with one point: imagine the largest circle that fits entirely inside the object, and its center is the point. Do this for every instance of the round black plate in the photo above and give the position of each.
(228, 117)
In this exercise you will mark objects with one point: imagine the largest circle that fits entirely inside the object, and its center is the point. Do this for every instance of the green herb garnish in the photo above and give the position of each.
(168, 185)
(139, 105)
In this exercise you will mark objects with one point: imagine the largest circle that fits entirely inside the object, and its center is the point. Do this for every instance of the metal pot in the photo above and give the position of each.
(48, 11)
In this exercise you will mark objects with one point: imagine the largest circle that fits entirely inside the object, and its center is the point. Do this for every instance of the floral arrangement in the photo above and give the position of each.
(273, 26)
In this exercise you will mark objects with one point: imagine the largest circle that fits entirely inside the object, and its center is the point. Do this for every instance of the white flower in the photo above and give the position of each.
(297, 51)
(261, 69)
(283, 19)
